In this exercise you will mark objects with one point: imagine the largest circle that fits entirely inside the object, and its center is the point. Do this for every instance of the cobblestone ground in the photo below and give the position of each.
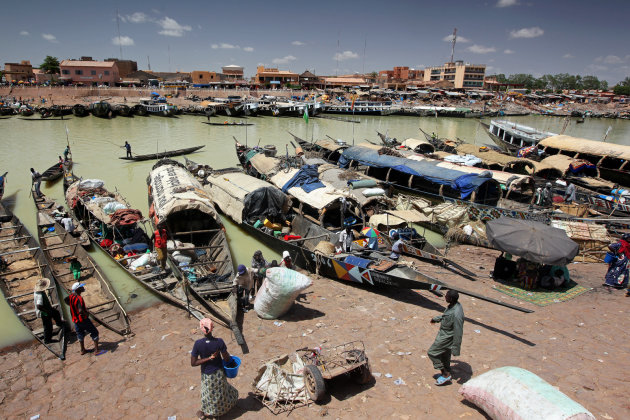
(575, 345)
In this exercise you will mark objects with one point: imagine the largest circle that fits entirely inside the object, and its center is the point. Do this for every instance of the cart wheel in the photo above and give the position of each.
(314, 382)
(362, 375)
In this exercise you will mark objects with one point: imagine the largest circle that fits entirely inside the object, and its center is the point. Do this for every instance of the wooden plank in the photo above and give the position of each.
(8, 273)
(29, 293)
(19, 250)
(196, 231)
(16, 238)
(50, 248)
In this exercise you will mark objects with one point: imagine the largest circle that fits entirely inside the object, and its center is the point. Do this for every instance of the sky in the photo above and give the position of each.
(327, 37)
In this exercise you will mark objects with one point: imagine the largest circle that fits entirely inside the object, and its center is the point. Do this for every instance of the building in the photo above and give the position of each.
(347, 80)
(42, 77)
(463, 75)
(89, 72)
(309, 81)
(232, 72)
(18, 72)
(205, 77)
(124, 66)
(400, 78)
(271, 77)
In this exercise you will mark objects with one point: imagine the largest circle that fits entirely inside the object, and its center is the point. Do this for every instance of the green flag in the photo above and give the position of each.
(305, 114)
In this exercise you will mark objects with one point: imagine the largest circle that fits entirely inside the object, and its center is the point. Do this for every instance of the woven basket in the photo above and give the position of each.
(325, 248)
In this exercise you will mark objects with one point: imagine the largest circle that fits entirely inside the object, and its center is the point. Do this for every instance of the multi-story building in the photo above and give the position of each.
(90, 72)
(463, 75)
(232, 72)
(310, 81)
(274, 77)
(205, 77)
(18, 72)
(399, 77)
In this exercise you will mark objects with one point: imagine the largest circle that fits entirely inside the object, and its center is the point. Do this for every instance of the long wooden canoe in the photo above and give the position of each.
(101, 301)
(53, 173)
(47, 206)
(25, 264)
(178, 203)
(153, 156)
(96, 222)
(228, 124)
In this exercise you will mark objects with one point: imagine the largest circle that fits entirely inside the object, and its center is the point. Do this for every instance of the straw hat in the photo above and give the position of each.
(41, 285)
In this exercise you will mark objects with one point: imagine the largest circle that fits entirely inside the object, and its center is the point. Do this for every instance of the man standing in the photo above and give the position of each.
(569, 194)
(159, 239)
(37, 181)
(346, 237)
(80, 317)
(66, 152)
(397, 247)
(128, 147)
(547, 195)
(449, 339)
(68, 224)
(44, 309)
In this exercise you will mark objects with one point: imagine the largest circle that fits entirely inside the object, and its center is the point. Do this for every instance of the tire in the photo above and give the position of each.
(314, 383)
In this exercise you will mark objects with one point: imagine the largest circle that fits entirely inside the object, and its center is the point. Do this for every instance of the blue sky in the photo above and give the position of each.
(329, 37)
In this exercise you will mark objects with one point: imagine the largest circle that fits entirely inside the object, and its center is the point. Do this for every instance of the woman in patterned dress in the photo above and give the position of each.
(217, 395)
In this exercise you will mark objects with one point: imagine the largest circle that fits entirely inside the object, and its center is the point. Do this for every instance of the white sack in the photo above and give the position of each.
(278, 291)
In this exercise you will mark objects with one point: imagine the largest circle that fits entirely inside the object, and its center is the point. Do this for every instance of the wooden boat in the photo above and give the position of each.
(441, 144)
(328, 149)
(26, 111)
(161, 155)
(58, 246)
(25, 264)
(162, 109)
(122, 110)
(512, 137)
(47, 206)
(101, 109)
(68, 177)
(44, 119)
(387, 141)
(53, 173)
(139, 110)
(99, 226)
(228, 124)
(79, 110)
(203, 261)
(333, 204)
(611, 160)
(239, 197)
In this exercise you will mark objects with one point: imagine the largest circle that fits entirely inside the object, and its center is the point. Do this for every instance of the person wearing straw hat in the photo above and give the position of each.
(80, 317)
(217, 395)
(44, 309)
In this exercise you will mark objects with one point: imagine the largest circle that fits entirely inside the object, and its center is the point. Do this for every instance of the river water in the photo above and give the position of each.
(97, 143)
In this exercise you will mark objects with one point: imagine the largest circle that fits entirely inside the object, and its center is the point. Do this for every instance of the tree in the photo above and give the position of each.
(50, 65)
(591, 83)
(621, 90)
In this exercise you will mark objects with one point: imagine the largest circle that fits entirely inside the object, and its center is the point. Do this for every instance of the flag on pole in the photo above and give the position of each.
(354, 98)
(305, 114)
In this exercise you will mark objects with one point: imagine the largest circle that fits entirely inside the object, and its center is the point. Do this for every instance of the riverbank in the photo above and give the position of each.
(71, 95)
(574, 345)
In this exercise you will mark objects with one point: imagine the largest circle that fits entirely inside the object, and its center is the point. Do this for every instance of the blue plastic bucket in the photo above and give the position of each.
(232, 372)
(610, 257)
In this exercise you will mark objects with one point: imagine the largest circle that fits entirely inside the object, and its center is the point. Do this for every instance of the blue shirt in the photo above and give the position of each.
(204, 348)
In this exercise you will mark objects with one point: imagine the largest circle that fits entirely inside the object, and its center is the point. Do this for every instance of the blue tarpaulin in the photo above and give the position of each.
(307, 178)
(460, 181)
(359, 262)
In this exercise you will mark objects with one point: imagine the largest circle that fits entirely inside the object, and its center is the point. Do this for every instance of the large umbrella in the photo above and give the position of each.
(534, 241)
(369, 232)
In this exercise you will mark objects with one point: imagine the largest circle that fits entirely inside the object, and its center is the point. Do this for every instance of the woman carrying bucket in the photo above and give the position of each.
(217, 395)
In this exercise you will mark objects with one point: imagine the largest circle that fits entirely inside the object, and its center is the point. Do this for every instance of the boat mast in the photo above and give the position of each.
(118, 26)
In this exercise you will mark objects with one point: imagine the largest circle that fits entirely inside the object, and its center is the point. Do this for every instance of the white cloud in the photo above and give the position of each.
(137, 17)
(480, 49)
(449, 38)
(612, 59)
(284, 60)
(508, 51)
(532, 32)
(346, 55)
(170, 27)
(24, 33)
(50, 37)
(298, 43)
(568, 55)
(248, 49)
(125, 41)
(506, 3)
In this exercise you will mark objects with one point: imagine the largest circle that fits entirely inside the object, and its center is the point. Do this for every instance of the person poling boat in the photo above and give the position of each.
(128, 148)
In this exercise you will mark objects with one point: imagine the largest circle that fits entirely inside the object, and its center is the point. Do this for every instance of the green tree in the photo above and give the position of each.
(621, 90)
(50, 65)
(591, 83)
(527, 80)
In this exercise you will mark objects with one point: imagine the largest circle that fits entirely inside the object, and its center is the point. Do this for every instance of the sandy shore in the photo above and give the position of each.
(579, 346)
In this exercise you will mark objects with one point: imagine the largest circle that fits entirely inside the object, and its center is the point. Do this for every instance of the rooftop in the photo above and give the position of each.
(81, 63)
